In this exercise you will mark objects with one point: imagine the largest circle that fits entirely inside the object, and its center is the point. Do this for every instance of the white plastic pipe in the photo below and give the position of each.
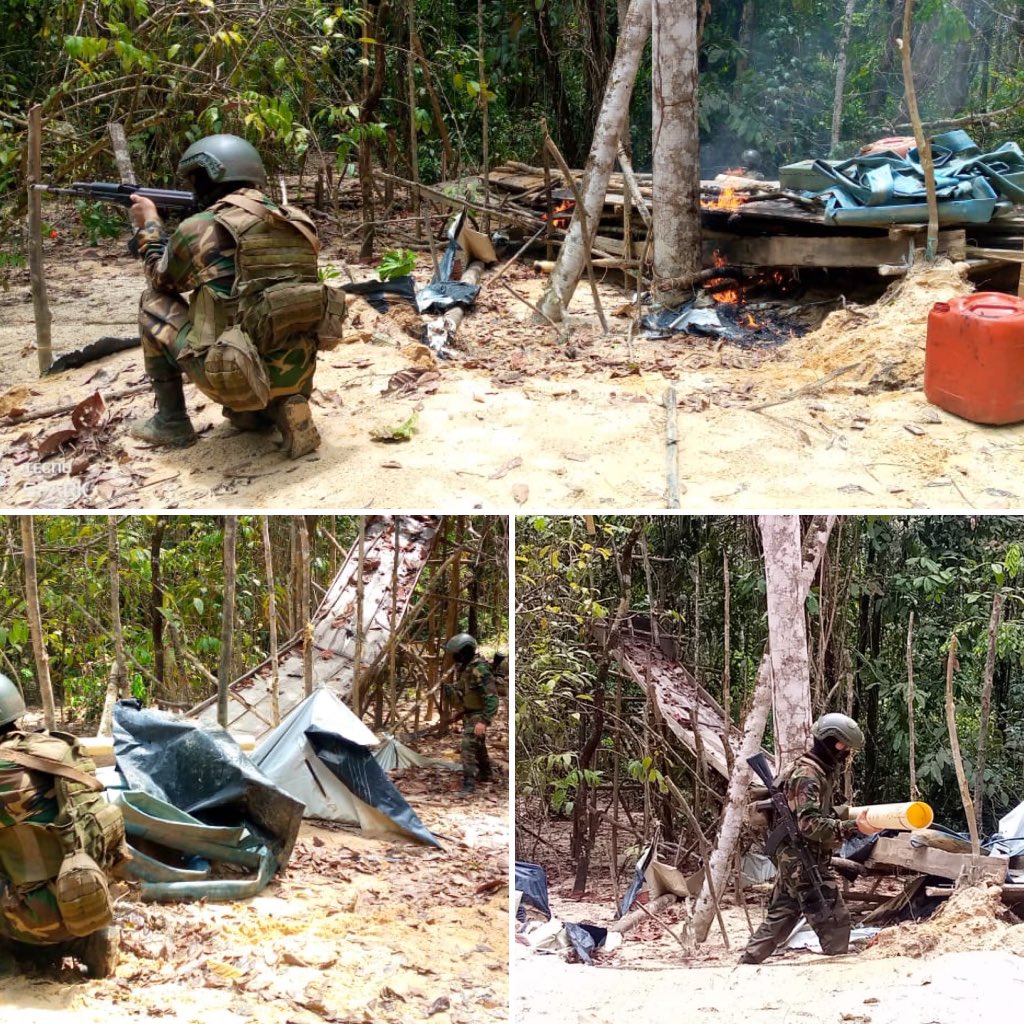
(906, 816)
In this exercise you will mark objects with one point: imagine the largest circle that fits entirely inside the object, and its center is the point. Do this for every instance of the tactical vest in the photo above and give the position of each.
(472, 698)
(71, 854)
(274, 249)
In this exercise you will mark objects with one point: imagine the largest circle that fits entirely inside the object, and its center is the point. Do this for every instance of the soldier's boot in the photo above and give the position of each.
(468, 785)
(746, 958)
(99, 951)
(484, 773)
(293, 418)
(171, 426)
(258, 419)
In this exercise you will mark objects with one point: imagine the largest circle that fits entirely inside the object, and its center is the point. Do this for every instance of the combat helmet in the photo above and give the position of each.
(841, 727)
(460, 642)
(12, 706)
(225, 158)
(751, 159)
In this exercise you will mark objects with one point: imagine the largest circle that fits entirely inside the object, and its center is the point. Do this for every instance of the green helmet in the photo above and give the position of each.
(842, 727)
(225, 158)
(12, 706)
(460, 642)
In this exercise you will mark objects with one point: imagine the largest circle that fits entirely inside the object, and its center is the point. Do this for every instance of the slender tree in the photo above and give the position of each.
(227, 629)
(35, 620)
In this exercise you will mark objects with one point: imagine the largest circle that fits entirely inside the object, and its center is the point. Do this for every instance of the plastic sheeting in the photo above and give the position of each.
(638, 881)
(532, 882)
(355, 767)
(886, 188)
(443, 293)
(392, 754)
(205, 773)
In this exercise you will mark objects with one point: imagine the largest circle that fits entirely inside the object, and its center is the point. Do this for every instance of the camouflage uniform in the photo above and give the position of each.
(808, 785)
(29, 857)
(476, 694)
(199, 257)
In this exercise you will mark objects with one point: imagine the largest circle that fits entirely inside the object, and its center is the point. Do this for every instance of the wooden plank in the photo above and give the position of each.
(37, 271)
(898, 852)
(1013, 892)
(1005, 255)
(815, 251)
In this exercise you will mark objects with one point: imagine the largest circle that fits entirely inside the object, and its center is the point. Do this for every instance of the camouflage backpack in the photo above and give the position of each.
(73, 854)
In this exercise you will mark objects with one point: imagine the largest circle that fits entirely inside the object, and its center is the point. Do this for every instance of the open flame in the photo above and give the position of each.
(727, 199)
(565, 206)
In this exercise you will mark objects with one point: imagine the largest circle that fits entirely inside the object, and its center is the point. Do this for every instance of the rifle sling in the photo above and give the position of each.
(45, 764)
(778, 834)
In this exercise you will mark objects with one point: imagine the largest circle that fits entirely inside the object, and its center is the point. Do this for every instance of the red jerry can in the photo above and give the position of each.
(974, 357)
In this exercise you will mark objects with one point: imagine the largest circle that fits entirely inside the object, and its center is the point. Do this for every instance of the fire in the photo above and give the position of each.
(727, 199)
(749, 321)
(563, 207)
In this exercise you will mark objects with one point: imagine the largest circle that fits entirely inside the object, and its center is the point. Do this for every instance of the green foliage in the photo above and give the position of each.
(396, 263)
(99, 220)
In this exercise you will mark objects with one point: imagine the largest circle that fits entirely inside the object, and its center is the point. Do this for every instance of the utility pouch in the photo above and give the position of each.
(82, 895)
(235, 373)
(329, 333)
(282, 310)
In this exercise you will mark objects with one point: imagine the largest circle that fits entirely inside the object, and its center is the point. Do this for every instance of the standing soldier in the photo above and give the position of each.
(808, 784)
(475, 694)
(46, 910)
(247, 336)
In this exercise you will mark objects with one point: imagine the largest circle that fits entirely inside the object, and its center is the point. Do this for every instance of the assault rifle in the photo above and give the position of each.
(166, 200)
(791, 830)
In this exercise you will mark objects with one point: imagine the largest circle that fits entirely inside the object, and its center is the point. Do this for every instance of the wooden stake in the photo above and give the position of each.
(954, 743)
(306, 614)
(414, 159)
(37, 272)
(118, 670)
(357, 661)
(121, 155)
(227, 626)
(672, 447)
(485, 158)
(392, 664)
(275, 682)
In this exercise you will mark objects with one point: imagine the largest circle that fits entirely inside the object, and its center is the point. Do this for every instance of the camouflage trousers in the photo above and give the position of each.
(33, 917)
(164, 328)
(475, 762)
(790, 898)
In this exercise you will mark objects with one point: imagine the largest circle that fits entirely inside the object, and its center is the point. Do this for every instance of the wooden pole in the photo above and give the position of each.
(37, 272)
(986, 705)
(910, 707)
(923, 145)
(227, 625)
(954, 743)
(42, 658)
(306, 613)
(118, 670)
(414, 159)
(357, 667)
(392, 661)
(485, 157)
(672, 446)
(727, 658)
(275, 681)
(121, 155)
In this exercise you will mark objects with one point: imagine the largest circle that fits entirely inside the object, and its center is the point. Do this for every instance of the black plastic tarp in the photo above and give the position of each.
(532, 882)
(204, 772)
(357, 768)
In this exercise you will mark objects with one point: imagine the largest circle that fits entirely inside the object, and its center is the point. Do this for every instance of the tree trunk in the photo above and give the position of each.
(227, 625)
(954, 745)
(814, 544)
(275, 682)
(910, 708)
(787, 631)
(156, 601)
(35, 621)
(572, 256)
(357, 667)
(675, 145)
(118, 670)
(392, 661)
(837, 100)
(986, 706)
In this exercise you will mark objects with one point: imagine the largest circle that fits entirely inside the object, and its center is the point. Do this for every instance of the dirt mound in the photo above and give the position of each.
(886, 339)
(971, 919)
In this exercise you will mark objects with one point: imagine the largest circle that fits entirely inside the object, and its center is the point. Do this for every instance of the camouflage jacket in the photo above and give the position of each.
(809, 787)
(475, 690)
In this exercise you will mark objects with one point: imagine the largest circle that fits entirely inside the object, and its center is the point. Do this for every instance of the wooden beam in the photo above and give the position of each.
(37, 271)
(926, 860)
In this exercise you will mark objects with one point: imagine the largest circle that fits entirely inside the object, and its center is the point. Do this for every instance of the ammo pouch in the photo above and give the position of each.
(235, 372)
(329, 333)
(82, 895)
(282, 310)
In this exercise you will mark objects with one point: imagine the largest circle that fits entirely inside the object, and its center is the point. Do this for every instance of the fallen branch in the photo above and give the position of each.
(807, 389)
(57, 410)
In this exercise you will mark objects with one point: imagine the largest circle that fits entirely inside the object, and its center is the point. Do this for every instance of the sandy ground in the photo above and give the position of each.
(964, 967)
(516, 419)
(359, 928)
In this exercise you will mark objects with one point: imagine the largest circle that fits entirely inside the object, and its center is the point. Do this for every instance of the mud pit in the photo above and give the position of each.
(517, 419)
(958, 967)
(358, 929)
